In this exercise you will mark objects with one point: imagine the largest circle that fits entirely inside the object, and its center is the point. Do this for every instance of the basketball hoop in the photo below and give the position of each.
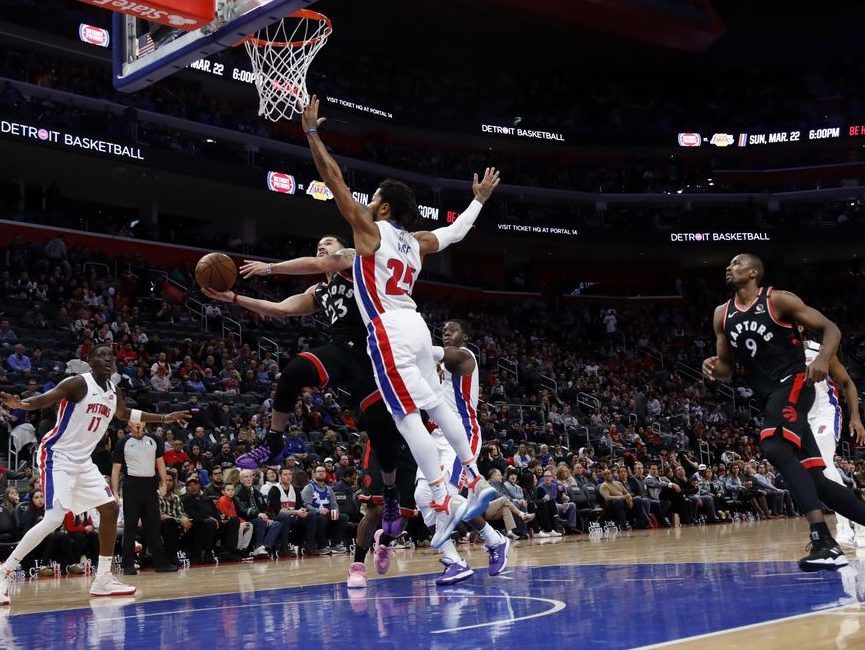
(281, 54)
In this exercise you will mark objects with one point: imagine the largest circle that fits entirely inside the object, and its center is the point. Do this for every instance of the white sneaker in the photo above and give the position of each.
(5, 583)
(481, 494)
(542, 534)
(555, 533)
(108, 585)
(259, 552)
(448, 516)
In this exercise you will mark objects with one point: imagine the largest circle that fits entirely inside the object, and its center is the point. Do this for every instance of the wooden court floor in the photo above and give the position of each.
(834, 624)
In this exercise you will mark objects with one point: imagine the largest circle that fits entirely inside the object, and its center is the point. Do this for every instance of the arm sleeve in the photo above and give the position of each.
(461, 226)
(160, 446)
(306, 494)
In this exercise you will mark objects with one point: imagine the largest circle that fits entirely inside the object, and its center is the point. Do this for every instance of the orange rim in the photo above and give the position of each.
(301, 13)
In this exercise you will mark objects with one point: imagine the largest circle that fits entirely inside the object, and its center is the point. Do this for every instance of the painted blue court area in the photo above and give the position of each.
(606, 606)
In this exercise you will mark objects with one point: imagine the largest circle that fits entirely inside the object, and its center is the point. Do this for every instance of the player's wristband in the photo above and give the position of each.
(311, 131)
(135, 416)
(270, 269)
(234, 300)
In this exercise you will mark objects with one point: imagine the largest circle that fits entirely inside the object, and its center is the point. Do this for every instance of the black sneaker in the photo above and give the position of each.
(165, 568)
(130, 571)
(825, 555)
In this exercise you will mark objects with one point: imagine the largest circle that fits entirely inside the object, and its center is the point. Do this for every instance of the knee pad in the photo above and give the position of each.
(297, 374)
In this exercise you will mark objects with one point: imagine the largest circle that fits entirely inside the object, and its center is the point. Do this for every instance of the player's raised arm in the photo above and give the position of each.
(135, 416)
(721, 366)
(366, 236)
(72, 389)
(339, 261)
(300, 304)
(788, 306)
(440, 238)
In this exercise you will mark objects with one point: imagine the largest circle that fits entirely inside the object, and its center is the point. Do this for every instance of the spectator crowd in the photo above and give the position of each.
(589, 411)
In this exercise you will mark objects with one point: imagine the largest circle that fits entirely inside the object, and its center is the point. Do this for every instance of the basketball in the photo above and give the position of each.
(216, 271)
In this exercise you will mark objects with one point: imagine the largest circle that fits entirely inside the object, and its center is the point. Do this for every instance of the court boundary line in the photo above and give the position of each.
(750, 626)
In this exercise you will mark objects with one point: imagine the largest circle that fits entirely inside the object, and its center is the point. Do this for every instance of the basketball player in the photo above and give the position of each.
(369, 533)
(342, 361)
(757, 329)
(825, 422)
(459, 370)
(70, 480)
(388, 262)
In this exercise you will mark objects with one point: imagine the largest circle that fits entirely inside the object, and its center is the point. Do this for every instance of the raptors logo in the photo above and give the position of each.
(789, 413)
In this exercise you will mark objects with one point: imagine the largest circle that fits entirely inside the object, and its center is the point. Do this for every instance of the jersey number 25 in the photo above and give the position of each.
(401, 278)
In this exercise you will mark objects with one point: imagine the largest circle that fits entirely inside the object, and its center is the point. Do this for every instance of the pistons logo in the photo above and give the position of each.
(789, 413)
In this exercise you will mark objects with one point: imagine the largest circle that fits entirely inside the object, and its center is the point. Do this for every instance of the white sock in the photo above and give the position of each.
(491, 536)
(423, 449)
(449, 552)
(104, 565)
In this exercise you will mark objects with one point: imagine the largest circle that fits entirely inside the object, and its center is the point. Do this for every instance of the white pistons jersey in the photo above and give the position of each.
(825, 415)
(80, 426)
(461, 394)
(384, 280)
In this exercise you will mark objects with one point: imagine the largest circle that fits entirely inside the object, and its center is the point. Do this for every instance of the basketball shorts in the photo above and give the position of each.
(400, 346)
(372, 485)
(786, 415)
(344, 366)
(72, 486)
(825, 423)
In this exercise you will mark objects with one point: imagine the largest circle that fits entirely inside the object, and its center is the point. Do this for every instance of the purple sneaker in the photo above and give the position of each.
(454, 572)
(499, 556)
(392, 522)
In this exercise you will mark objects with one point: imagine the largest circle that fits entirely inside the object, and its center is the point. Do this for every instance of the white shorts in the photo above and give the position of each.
(73, 487)
(826, 426)
(400, 347)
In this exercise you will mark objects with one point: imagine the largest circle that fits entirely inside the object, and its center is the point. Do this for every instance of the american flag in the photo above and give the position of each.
(145, 45)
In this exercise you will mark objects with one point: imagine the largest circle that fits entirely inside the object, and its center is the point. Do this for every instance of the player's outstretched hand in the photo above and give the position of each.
(487, 185)
(11, 401)
(309, 118)
(817, 371)
(709, 368)
(177, 416)
(250, 268)
(857, 431)
(224, 296)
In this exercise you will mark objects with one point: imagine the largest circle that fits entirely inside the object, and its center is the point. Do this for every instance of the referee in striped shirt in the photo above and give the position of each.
(139, 457)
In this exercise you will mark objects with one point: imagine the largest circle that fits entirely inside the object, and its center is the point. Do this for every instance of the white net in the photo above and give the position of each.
(281, 54)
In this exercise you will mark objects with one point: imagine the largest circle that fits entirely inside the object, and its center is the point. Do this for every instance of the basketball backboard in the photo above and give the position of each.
(145, 52)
